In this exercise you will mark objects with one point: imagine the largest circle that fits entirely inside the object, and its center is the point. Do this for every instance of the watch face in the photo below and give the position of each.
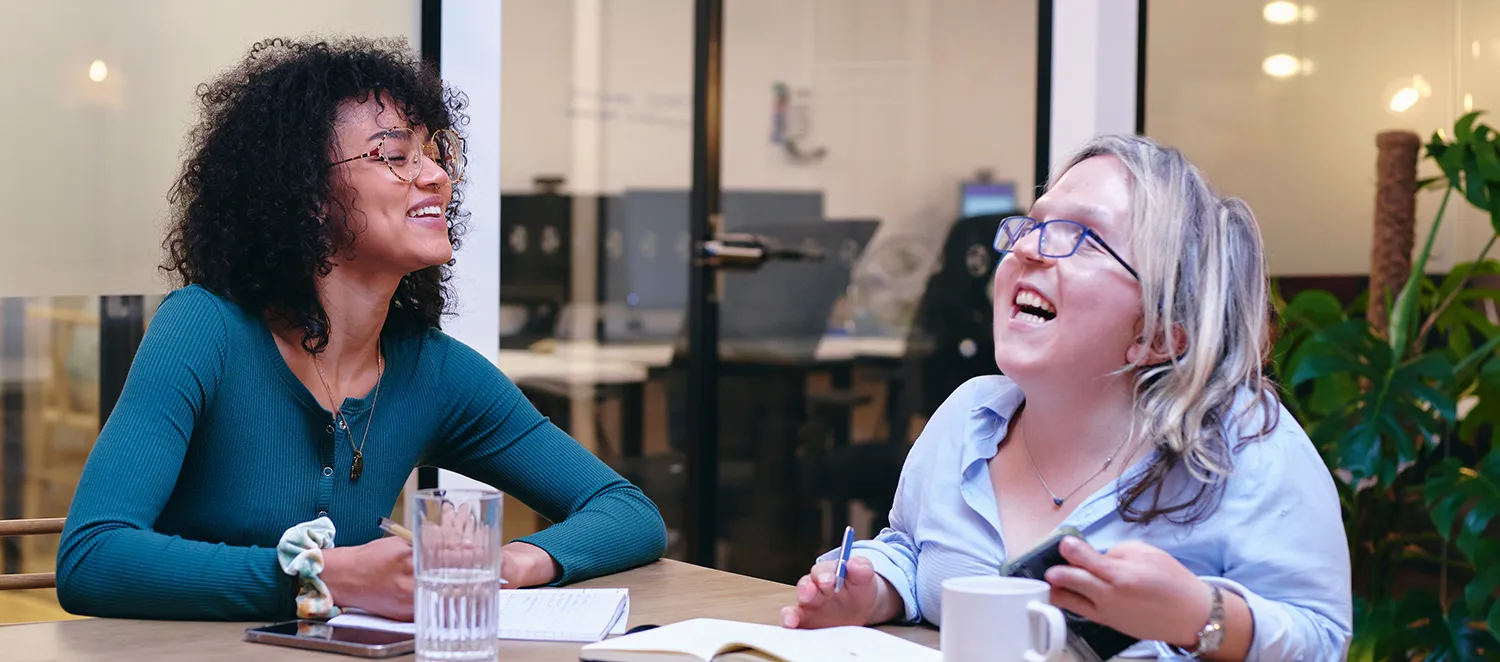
(1212, 638)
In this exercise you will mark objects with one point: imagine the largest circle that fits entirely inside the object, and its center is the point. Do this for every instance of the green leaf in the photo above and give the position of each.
(1493, 621)
(1463, 129)
(1482, 588)
(1482, 352)
(1404, 312)
(1315, 309)
(1476, 190)
(1495, 217)
(1480, 515)
(1452, 163)
(1320, 365)
(1489, 165)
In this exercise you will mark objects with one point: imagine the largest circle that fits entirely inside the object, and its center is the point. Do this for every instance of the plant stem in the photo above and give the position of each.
(1457, 290)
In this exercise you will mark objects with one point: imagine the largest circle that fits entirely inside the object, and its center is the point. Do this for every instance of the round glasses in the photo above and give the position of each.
(402, 153)
(1057, 238)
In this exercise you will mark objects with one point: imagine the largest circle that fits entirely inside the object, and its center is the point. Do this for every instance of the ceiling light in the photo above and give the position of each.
(1280, 12)
(98, 72)
(1281, 65)
(1404, 99)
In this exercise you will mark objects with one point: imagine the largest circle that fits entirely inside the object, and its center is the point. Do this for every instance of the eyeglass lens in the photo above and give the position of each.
(400, 151)
(1058, 238)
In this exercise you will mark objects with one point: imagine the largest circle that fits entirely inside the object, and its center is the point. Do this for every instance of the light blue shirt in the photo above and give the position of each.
(1276, 538)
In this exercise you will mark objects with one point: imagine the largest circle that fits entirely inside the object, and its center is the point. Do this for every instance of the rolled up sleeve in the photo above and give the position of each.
(1286, 555)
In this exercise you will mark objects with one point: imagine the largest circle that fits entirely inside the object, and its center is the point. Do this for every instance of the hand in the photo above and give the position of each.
(524, 564)
(1136, 588)
(375, 577)
(865, 599)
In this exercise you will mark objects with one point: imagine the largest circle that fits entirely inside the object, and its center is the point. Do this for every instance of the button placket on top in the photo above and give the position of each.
(328, 441)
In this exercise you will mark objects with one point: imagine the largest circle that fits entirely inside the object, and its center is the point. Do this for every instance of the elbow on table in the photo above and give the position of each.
(74, 596)
(652, 529)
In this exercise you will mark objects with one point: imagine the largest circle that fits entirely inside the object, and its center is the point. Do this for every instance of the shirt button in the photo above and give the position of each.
(322, 513)
(327, 471)
(328, 429)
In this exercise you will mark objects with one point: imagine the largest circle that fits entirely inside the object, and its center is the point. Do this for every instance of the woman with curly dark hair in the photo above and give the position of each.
(287, 391)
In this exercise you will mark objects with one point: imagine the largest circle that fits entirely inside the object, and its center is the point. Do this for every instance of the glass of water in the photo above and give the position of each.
(456, 560)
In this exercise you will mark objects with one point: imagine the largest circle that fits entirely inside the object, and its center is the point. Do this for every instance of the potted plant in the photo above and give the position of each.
(1406, 417)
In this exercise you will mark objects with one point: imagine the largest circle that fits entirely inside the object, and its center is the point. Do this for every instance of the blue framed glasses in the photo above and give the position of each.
(1057, 238)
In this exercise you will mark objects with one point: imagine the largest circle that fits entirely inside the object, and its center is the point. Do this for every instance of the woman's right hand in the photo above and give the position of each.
(375, 577)
(866, 599)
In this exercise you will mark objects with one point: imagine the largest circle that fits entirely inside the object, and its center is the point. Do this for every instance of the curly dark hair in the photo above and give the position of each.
(245, 220)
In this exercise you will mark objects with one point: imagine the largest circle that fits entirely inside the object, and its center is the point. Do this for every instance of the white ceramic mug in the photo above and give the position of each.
(1001, 619)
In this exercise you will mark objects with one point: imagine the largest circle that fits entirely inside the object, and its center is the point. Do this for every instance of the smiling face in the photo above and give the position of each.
(398, 226)
(1072, 318)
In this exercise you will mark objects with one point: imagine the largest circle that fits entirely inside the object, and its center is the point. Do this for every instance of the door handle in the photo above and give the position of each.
(749, 252)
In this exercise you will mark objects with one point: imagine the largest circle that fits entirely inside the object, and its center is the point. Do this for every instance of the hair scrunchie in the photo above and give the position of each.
(300, 553)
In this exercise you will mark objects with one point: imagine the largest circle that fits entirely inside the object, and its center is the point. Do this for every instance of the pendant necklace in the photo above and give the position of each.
(358, 467)
(1057, 501)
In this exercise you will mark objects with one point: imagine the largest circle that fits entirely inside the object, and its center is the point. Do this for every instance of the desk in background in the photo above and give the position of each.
(661, 593)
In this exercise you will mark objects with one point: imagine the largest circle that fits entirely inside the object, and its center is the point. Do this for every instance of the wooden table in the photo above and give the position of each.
(660, 593)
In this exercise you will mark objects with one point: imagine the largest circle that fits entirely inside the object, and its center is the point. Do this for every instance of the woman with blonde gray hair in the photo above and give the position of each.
(1131, 324)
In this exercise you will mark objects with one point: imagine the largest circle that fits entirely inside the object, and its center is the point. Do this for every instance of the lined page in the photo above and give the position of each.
(579, 614)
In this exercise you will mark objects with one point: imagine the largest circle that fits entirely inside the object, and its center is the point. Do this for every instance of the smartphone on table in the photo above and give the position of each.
(320, 636)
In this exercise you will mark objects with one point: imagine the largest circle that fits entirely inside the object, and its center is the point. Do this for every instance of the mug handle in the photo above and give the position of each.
(1057, 632)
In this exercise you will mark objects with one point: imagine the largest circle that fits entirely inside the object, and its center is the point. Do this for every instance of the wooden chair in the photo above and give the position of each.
(30, 527)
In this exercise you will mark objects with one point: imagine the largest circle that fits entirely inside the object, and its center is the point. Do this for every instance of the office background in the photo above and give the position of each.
(833, 111)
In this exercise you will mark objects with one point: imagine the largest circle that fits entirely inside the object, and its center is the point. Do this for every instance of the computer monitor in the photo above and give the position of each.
(985, 198)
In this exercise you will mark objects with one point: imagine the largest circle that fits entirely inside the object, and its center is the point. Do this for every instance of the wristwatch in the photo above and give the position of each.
(1211, 637)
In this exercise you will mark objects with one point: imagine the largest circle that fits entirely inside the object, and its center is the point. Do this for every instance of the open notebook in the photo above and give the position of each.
(541, 614)
(700, 639)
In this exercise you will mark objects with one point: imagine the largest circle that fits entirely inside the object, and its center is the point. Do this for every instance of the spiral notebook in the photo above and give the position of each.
(543, 614)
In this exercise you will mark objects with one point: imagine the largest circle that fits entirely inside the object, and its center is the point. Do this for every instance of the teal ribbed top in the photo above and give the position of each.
(215, 448)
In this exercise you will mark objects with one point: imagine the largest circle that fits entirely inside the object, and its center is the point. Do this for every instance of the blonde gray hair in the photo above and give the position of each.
(1202, 269)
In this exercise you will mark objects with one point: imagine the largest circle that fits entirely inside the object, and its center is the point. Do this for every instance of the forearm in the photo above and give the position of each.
(130, 573)
(888, 603)
(614, 531)
(1239, 632)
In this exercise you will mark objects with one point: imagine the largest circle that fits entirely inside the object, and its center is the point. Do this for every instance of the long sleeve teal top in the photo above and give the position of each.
(215, 448)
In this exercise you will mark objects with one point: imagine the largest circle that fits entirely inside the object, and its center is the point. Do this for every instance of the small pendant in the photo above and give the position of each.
(359, 466)
(1057, 502)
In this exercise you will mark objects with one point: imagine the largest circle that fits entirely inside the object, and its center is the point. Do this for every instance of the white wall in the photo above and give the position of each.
(90, 163)
(908, 96)
(1301, 150)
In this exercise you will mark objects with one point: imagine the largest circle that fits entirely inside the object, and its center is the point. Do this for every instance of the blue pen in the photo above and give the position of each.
(844, 552)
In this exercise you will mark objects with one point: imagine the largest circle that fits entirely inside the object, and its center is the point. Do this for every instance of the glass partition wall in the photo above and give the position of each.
(100, 100)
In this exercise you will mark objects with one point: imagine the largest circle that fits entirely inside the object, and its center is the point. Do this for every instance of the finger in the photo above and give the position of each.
(1079, 581)
(824, 580)
(1079, 553)
(791, 617)
(807, 590)
(859, 572)
(1065, 599)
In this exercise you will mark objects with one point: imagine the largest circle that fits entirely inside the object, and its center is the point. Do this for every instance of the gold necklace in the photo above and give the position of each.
(358, 467)
(1057, 501)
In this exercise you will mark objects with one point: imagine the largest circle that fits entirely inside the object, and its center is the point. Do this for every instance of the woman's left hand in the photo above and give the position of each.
(525, 565)
(1135, 588)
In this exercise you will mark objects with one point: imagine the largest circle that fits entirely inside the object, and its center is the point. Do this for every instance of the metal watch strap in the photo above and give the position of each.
(1211, 637)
